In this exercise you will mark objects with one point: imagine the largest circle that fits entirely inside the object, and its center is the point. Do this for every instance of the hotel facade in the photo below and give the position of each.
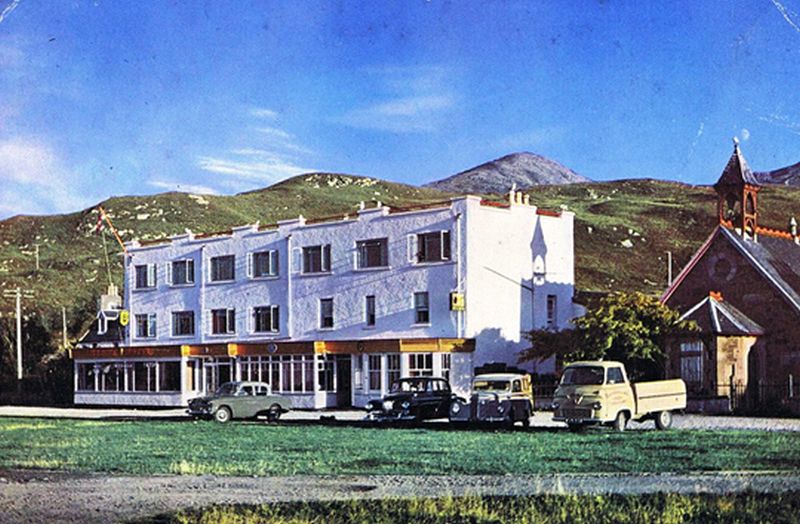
(331, 312)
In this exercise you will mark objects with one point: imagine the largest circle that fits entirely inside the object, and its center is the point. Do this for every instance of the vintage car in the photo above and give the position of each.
(496, 397)
(240, 400)
(599, 393)
(414, 398)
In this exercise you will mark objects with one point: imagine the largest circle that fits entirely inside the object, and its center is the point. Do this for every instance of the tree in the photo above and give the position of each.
(629, 327)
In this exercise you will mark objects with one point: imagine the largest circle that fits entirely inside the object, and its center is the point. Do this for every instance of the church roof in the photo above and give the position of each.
(737, 172)
(778, 259)
(714, 315)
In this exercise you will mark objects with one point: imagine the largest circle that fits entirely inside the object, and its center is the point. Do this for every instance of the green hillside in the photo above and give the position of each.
(623, 230)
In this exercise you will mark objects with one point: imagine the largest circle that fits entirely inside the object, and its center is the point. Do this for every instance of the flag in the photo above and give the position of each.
(100, 222)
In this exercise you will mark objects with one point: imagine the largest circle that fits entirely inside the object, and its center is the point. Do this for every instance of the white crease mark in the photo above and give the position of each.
(7, 11)
(785, 14)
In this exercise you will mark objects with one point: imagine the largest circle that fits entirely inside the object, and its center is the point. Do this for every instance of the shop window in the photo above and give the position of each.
(420, 364)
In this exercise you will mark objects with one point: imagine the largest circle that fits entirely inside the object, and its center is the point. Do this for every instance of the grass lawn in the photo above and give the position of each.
(545, 509)
(183, 447)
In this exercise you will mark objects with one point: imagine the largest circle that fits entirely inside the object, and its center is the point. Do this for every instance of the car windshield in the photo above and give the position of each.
(490, 385)
(583, 376)
(226, 389)
(409, 384)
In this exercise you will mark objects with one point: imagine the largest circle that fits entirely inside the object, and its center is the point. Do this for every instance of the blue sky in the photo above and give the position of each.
(101, 98)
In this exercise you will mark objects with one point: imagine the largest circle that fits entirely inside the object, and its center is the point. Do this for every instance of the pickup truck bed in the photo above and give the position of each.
(662, 395)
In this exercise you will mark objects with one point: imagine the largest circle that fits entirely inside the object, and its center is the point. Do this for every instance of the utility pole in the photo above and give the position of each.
(36, 252)
(17, 294)
(64, 326)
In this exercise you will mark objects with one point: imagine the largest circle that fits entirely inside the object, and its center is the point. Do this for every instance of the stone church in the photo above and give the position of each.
(742, 287)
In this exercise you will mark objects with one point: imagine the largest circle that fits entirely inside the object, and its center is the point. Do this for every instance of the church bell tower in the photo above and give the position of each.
(737, 195)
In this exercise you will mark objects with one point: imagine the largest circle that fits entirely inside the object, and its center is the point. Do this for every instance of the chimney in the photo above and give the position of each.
(526, 200)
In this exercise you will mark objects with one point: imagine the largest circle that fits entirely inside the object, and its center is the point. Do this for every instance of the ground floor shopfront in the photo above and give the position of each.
(315, 375)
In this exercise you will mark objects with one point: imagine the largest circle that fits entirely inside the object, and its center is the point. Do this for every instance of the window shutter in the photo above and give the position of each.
(151, 325)
(297, 260)
(412, 248)
(231, 321)
(190, 271)
(326, 257)
(169, 272)
(273, 262)
(355, 257)
(276, 319)
(446, 255)
(251, 321)
(250, 263)
(151, 275)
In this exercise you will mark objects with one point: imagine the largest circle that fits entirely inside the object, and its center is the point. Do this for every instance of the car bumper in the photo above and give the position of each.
(570, 420)
(382, 416)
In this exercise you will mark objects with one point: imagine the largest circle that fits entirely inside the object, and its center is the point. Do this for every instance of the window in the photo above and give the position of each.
(552, 308)
(182, 272)
(420, 365)
(692, 364)
(372, 253)
(144, 376)
(146, 325)
(223, 268)
(182, 323)
(145, 276)
(421, 311)
(358, 372)
(86, 377)
(393, 368)
(615, 376)
(374, 364)
(433, 247)
(317, 259)
(446, 366)
(326, 313)
(266, 319)
(169, 376)
(223, 321)
(264, 264)
(369, 310)
(326, 367)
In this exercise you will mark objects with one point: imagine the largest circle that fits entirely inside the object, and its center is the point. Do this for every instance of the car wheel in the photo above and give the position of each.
(223, 415)
(663, 420)
(576, 428)
(274, 413)
(621, 422)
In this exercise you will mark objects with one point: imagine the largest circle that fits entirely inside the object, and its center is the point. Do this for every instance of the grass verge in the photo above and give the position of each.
(183, 447)
(544, 509)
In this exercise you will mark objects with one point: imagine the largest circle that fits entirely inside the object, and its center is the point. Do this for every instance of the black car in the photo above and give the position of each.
(414, 398)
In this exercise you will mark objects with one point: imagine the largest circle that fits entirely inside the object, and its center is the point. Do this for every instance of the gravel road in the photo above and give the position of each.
(35, 497)
(540, 418)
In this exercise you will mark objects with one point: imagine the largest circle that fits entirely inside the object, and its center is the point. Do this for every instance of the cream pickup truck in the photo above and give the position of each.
(598, 392)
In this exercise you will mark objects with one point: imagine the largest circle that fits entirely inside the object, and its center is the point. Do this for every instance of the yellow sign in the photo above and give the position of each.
(124, 317)
(457, 302)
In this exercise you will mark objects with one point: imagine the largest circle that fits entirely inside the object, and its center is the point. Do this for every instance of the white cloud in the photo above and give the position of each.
(262, 112)
(274, 132)
(182, 187)
(267, 169)
(34, 179)
(7, 11)
(744, 134)
(786, 14)
(418, 99)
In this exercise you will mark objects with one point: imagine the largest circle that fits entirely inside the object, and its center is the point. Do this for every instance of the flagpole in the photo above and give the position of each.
(108, 262)
(113, 229)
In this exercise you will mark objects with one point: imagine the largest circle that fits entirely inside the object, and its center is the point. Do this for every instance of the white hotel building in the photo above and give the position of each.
(331, 312)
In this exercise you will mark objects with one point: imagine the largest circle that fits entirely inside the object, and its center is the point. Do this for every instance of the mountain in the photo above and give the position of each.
(523, 169)
(623, 230)
(787, 176)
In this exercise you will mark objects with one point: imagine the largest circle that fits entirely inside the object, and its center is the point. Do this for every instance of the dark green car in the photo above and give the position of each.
(240, 400)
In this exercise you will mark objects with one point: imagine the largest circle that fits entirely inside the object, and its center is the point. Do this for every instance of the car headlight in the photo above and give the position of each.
(555, 405)
(405, 405)
(501, 408)
(370, 406)
(597, 405)
(455, 407)
(387, 405)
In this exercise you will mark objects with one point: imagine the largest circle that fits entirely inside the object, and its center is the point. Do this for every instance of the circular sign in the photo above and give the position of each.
(360, 347)
(124, 317)
(272, 347)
